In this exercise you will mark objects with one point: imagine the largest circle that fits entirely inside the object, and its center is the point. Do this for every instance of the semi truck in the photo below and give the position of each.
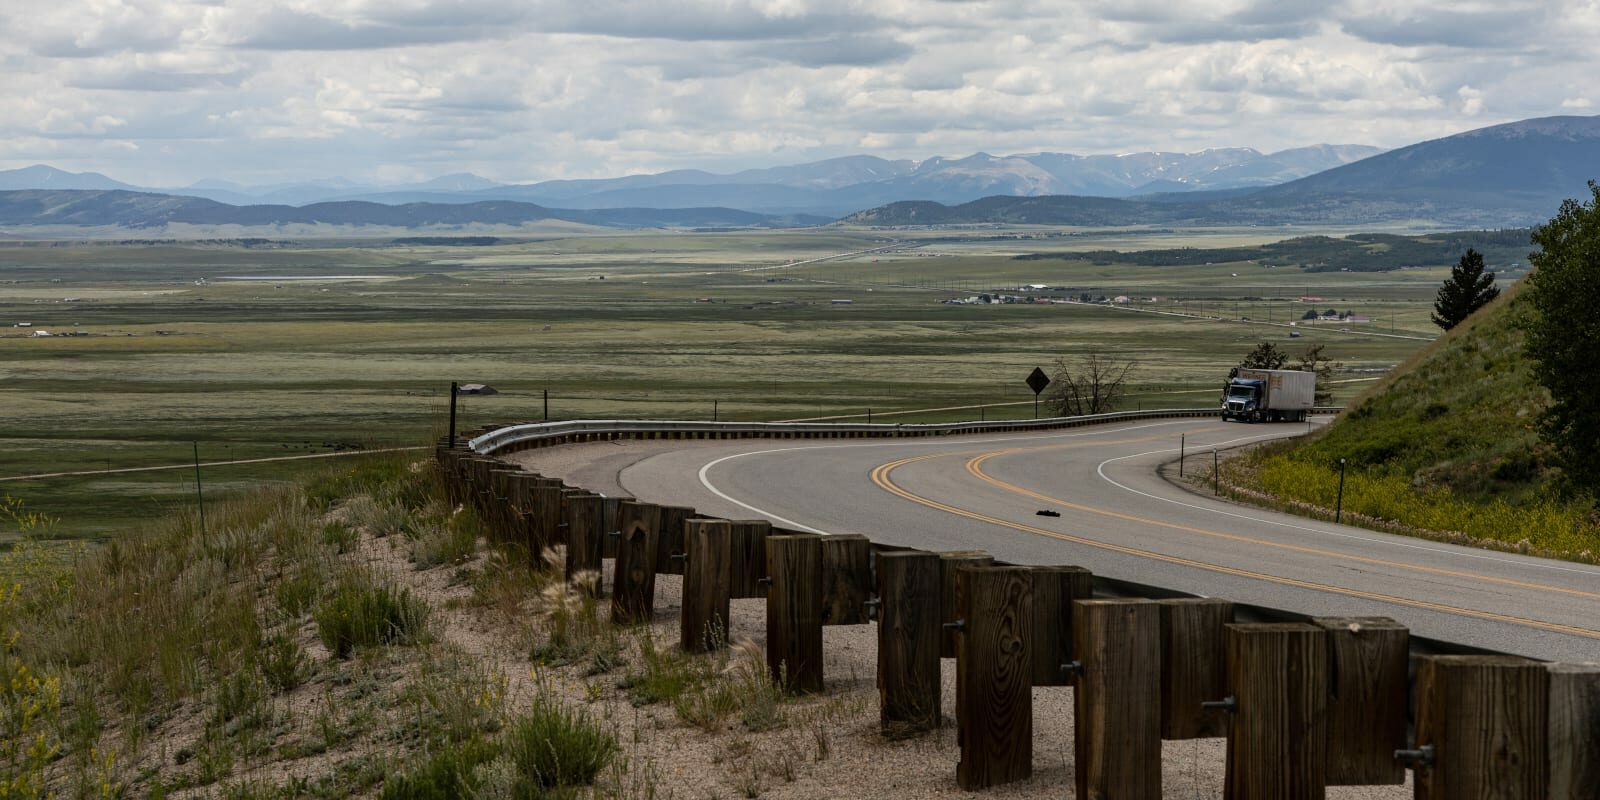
(1269, 395)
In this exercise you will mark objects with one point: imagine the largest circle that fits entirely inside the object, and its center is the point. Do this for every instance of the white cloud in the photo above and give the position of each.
(165, 92)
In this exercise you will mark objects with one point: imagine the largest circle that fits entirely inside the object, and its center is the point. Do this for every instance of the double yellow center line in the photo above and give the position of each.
(881, 476)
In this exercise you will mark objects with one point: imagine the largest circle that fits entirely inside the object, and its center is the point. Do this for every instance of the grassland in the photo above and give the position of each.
(307, 347)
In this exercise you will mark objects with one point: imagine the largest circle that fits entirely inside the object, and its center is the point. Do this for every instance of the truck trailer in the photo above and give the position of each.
(1269, 395)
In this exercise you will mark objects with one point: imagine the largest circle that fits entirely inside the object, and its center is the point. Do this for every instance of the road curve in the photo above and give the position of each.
(1120, 519)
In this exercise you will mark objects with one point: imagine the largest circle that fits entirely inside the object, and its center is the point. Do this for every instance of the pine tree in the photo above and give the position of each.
(1468, 289)
(1563, 337)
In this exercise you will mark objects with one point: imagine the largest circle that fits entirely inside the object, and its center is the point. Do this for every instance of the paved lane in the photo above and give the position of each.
(1122, 520)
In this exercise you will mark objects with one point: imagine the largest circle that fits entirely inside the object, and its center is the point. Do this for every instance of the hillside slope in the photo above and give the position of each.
(1446, 448)
(1461, 414)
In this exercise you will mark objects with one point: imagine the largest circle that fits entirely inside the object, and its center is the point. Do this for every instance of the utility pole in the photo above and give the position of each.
(453, 389)
(199, 495)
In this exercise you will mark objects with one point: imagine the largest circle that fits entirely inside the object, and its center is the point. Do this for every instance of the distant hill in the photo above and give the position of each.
(40, 176)
(832, 187)
(1532, 164)
(148, 210)
(1503, 176)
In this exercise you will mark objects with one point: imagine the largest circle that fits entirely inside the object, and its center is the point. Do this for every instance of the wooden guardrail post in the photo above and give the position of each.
(1367, 699)
(1482, 728)
(544, 516)
(610, 529)
(1574, 738)
(1278, 740)
(1117, 702)
(563, 536)
(707, 581)
(669, 550)
(583, 541)
(994, 693)
(749, 556)
(1054, 589)
(1194, 668)
(908, 642)
(949, 562)
(634, 586)
(794, 611)
(505, 490)
(846, 579)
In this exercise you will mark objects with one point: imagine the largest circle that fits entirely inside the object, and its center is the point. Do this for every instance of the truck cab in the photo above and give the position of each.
(1243, 399)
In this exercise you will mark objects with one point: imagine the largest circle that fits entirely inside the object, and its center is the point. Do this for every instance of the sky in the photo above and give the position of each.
(167, 92)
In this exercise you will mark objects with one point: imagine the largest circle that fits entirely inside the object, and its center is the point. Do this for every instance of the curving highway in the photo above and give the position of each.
(1120, 519)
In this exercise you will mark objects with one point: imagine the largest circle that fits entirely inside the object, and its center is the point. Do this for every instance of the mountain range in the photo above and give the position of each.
(1507, 175)
(832, 188)
(1501, 176)
(145, 210)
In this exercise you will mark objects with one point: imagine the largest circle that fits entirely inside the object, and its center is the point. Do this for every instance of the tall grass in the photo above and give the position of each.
(1547, 525)
(177, 612)
(365, 610)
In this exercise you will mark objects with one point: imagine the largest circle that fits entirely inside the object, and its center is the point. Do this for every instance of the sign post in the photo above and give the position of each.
(1037, 380)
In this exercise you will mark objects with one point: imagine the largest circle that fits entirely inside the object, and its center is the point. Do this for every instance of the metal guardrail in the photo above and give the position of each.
(536, 433)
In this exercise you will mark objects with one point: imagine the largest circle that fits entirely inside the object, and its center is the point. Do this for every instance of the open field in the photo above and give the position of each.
(282, 349)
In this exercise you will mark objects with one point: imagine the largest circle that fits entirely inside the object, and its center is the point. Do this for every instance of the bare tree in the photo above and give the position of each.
(1089, 385)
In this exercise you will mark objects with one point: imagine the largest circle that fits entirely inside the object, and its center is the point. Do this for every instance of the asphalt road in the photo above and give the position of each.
(1122, 520)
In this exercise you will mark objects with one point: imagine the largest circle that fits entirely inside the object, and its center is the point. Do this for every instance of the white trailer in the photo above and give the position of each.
(1270, 395)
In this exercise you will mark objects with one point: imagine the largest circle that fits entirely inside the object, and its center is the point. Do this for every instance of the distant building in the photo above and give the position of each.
(1310, 298)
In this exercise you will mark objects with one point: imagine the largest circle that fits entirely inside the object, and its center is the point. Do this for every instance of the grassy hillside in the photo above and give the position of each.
(1447, 446)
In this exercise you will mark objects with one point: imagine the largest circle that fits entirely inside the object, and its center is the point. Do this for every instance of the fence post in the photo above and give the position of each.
(1277, 742)
(1054, 589)
(609, 524)
(634, 586)
(994, 696)
(846, 579)
(1338, 505)
(749, 556)
(1370, 657)
(908, 642)
(1193, 666)
(1574, 730)
(794, 611)
(544, 508)
(669, 548)
(1482, 728)
(583, 542)
(1117, 702)
(707, 580)
(948, 563)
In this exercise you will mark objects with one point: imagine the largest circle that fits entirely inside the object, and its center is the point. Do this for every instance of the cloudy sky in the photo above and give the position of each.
(165, 92)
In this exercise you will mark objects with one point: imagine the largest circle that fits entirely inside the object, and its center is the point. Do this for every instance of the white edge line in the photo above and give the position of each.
(1324, 531)
(706, 481)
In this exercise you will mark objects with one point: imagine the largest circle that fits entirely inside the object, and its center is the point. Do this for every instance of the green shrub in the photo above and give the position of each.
(365, 610)
(283, 663)
(664, 675)
(444, 539)
(298, 593)
(341, 537)
(553, 745)
(447, 774)
(381, 517)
